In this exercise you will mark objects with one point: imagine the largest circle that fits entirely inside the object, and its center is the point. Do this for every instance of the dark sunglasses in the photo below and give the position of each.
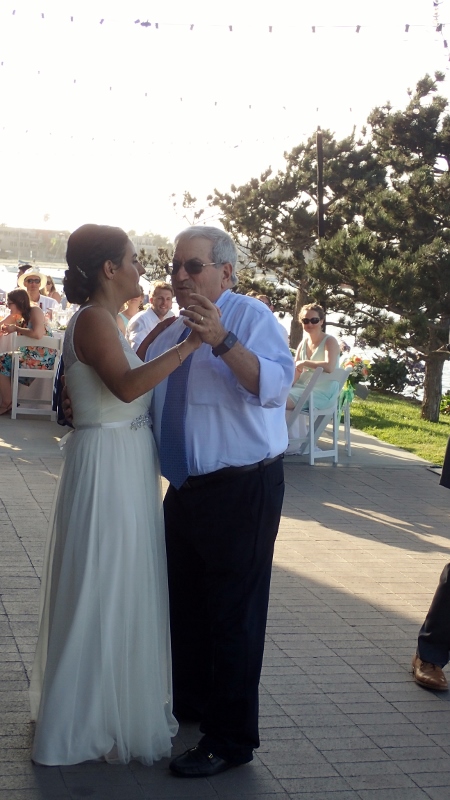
(193, 266)
(32, 280)
(310, 320)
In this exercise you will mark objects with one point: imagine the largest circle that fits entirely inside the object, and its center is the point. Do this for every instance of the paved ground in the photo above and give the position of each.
(358, 556)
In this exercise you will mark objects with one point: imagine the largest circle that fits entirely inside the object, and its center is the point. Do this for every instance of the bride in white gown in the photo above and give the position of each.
(101, 681)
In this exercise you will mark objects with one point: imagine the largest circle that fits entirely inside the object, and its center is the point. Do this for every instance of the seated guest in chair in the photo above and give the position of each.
(316, 349)
(29, 321)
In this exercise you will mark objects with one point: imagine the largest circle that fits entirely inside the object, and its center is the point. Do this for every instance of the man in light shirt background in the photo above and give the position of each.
(144, 321)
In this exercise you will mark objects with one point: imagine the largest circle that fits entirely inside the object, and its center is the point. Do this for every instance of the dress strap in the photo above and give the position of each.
(69, 355)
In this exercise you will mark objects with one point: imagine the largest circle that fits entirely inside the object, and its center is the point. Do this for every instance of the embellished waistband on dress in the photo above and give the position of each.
(144, 420)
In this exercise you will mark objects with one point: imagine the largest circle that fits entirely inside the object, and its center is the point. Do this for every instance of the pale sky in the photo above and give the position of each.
(103, 122)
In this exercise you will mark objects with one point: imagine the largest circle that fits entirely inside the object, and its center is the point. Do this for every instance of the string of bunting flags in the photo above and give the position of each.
(406, 27)
(439, 25)
(233, 144)
(256, 106)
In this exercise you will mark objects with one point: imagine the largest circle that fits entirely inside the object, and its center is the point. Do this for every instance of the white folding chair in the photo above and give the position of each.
(19, 371)
(319, 418)
(296, 444)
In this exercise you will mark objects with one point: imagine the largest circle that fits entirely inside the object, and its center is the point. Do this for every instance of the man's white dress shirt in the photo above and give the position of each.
(47, 303)
(141, 324)
(225, 424)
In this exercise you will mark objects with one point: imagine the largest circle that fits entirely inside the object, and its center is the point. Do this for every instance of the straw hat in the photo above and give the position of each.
(32, 273)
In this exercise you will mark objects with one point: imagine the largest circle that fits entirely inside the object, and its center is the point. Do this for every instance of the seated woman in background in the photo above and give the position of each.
(317, 349)
(50, 290)
(27, 320)
(128, 311)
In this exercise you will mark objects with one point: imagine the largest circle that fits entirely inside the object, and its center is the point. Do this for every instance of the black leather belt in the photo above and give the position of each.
(195, 481)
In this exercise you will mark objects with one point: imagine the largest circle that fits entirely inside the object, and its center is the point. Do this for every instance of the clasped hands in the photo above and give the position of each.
(299, 367)
(203, 318)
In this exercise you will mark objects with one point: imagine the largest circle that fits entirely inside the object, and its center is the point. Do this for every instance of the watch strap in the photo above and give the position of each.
(229, 342)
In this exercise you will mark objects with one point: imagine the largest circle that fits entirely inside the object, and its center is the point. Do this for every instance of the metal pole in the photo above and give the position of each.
(320, 218)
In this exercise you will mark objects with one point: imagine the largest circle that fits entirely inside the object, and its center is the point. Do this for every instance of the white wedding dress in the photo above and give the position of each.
(101, 681)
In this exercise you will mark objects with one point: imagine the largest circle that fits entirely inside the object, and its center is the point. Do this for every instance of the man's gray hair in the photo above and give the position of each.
(223, 249)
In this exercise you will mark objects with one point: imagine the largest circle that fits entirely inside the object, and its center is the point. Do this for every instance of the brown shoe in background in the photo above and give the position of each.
(428, 675)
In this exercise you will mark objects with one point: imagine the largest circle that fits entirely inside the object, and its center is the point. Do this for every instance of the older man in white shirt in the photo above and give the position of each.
(144, 321)
(221, 451)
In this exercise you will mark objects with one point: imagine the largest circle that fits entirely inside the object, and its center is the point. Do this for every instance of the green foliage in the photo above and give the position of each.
(389, 269)
(394, 256)
(388, 374)
(273, 218)
(396, 420)
(279, 300)
(361, 369)
(188, 203)
(156, 266)
(445, 404)
(384, 261)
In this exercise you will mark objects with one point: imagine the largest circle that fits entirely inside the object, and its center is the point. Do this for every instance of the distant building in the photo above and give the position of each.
(32, 244)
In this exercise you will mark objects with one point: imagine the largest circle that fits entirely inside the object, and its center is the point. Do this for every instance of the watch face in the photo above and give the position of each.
(226, 345)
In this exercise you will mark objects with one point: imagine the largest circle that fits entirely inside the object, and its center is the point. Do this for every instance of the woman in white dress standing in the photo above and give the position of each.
(101, 681)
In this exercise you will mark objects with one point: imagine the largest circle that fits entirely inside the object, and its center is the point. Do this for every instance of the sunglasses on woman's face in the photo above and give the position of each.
(32, 280)
(310, 320)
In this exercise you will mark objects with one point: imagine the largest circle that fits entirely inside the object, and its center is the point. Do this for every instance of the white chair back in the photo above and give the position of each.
(318, 419)
(304, 397)
(19, 371)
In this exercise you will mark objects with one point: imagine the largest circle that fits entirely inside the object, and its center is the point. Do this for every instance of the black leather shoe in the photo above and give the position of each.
(198, 763)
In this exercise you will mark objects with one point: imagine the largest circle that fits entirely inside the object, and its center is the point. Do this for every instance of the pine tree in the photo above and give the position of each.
(389, 268)
(273, 219)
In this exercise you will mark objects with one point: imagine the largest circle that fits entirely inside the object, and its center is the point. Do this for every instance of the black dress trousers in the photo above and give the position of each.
(220, 538)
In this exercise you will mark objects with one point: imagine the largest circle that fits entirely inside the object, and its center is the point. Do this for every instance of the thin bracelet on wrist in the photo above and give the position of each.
(177, 348)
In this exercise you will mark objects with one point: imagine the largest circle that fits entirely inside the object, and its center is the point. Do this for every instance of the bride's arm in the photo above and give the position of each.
(96, 342)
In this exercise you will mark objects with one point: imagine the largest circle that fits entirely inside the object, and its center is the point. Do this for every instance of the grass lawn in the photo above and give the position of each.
(397, 420)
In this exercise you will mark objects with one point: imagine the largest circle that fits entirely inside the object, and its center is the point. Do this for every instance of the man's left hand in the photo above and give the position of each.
(203, 317)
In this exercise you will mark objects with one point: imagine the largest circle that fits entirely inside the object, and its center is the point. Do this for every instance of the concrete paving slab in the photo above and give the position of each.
(357, 559)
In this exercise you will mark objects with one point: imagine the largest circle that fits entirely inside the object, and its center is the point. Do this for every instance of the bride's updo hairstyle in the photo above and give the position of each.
(87, 250)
